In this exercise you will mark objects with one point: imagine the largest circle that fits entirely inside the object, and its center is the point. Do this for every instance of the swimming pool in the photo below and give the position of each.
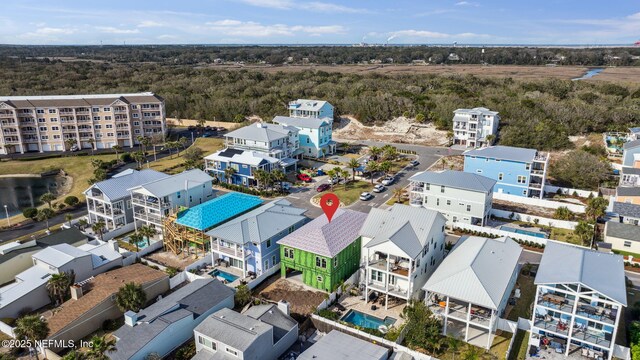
(524, 232)
(141, 244)
(223, 274)
(366, 321)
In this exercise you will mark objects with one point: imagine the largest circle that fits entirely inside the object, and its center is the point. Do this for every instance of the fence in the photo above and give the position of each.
(562, 224)
(117, 232)
(128, 260)
(538, 202)
(7, 329)
(326, 325)
(198, 264)
(352, 280)
(570, 191)
(255, 282)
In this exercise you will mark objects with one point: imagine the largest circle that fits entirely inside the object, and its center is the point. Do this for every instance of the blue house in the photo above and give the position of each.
(517, 171)
(248, 243)
(243, 162)
(305, 108)
(315, 134)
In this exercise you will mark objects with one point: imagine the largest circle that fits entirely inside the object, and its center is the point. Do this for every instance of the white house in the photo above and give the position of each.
(470, 289)
(262, 332)
(401, 247)
(579, 301)
(154, 200)
(168, 323)
(471, 127)
(305, 108)
(110, 200)
(459, 196)
(29, 291)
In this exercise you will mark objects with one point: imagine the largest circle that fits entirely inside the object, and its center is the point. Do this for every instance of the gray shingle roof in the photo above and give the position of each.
(406, 226)
(327, 238)
(234, 329)
(631, 144)
(260, 224)
(262, 132)
(504, 153)
(193, 300)
(630, 170)
(337, 345)
(604, 273)
(174, 183)
(622, 231)
(65, 236)
(477, 270)
(313, 123)
(626, 209)
(117, 187)
(628, 191)
(456, 179)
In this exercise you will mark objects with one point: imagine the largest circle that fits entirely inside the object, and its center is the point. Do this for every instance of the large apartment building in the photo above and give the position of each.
(472, 127)
(53, 122)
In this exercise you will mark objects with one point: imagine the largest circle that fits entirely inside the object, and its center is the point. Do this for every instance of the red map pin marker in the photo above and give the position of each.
(329, 203)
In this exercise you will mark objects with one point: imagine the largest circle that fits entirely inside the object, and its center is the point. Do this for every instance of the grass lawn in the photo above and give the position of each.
(351, 194)
(522, 309)
(627, 253)
(400, 163)
(173, 164)
(519, 350)
(500, 344)
(565, 235)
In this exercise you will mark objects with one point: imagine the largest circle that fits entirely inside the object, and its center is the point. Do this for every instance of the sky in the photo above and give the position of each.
(90, 22)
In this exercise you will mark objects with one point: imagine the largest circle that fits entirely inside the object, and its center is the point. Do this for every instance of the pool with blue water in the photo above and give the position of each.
(366, 321)
(523, 232)
(223, 274)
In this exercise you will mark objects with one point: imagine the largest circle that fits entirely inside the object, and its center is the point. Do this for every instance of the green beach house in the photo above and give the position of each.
(326, 253)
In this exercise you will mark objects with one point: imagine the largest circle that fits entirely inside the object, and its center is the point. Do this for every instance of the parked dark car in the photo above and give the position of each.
(323, 187)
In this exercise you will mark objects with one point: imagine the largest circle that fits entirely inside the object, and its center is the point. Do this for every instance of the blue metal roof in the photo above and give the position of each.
(216, 211)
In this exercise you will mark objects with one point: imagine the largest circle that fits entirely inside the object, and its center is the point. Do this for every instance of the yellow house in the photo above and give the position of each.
(628, 195)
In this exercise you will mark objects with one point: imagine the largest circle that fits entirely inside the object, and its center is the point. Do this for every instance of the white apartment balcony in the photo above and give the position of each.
(123, 136)
(552, 324)
(394, 290)
(556, 302)
(29, 132)
(223, 248)
(82, 112)
(591, 335)
(12, 140)
(106, 210)
(122, 119)
(397, 266)
(149, 217)
(150, 201)
(10, 132)
(540, 157)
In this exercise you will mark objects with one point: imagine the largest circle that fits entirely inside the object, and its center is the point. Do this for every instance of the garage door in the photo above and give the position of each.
(46, 147)
(32, 147)
(58, 147)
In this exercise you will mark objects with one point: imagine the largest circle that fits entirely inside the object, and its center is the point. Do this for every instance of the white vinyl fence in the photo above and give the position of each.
(569, 191)
(271, 271)
(538, 202)
(562, 224)
(7, 329)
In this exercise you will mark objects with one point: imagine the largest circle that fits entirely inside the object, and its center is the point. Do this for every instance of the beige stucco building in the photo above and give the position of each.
(52, 123)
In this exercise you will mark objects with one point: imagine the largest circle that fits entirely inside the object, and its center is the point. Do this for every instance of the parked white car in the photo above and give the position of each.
(379, 188)
(366, 196)
(388, 180)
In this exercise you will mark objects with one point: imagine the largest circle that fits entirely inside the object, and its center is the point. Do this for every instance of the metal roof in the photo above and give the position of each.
(476, 111)
(504, 153)
(59, 255)
(216, 211)
(456, 179)
(406, 226)
(631, 144)
(628, 191)
(307, 104)
(326, 238)
(477, 270)
(262, 132)
(635, 130)
(260, 224)
(626, 209)
(174, 183)
(78, 100)
(338, 345)
(231, 328)
(118, 186)
(622, 231)
(310, 122)
(630, 170)
(568, 264)
(270, 314)
(242, 157)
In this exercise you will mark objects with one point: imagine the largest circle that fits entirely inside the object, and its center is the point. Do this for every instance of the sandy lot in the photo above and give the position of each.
(303, 301)
(398, 130)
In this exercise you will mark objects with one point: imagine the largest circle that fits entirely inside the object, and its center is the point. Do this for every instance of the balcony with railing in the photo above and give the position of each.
(556, 301)
(586, 332)
(395, 265)
(598, 313)
(540, 157)
(11, 140)
(230, 249)
(148, 217)
(550, 323)
(458, 309)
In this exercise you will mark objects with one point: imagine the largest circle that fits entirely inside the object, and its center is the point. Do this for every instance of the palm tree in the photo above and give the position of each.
(443, 162)
(346, 147)
(397, 193)
(47, 198)
(260, 176)
(183, 141)
(44, 215)
(91, 142)
(70, 142)
(490, 139)
(453, 344)
(82, 223)
(596, 208)
(98, 227)
(139, 157)
(375, 151)
(100, 346)
(68, 218)
(135, 239)
(32, 328)
(390, 152)
(74, 355)
(332, 173)
(228, 173)
(117, 148)
(144, 142)
(148, 232)
(131, 297)
(371, 168)
(585, 232)
(344, 174)
(385, 167)
(59, 284)
(353, 165)
(278, 176)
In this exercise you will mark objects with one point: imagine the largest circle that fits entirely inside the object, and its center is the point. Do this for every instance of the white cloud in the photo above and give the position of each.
(114, 30)
(332, 8)
(273, 4)
(55, 31)
(314, 6)
(425, 34)
(149, 23)
(254, 29)
(467, 3)
(167, 37)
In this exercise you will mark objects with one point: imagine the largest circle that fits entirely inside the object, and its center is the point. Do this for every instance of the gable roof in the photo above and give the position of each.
(405, 226)
(270, 314)
(64, 236)
(627, 170)
(477, 270)
(476, 111)
(567, 264)
(260, 224)
(118, 186)
(338, 345)
(307, 104)
(242, 157)
(233, 329)
(326, 238)
(174, 183)
(626, 209)
(262, 132)
(622, 231)
(311, 122)
(100, 288)
(59, 255)
(504, 153)
(216, 211)
(456, 179)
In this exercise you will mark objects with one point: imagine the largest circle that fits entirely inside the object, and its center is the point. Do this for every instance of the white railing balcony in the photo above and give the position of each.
(540, 157)
(232, 251)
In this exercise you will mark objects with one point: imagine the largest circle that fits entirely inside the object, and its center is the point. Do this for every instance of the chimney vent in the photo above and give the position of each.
(130, 318)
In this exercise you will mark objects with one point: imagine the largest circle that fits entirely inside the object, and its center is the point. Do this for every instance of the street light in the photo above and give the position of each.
(6, 210)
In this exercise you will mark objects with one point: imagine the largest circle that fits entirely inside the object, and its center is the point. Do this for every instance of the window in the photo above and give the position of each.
(98, 126)
(527, 166)
(41, 120)
(479, 171)
(291, 229)
(53, 119)
(109, 126)
(448, 202)
(442, 188)
(134, 106)
(108, 117)
(106, 109)
(52, 111)
(136, 123)
(524, 192)
(376, 275)
(500, 176)
(207, 343)
(96, 118)
(43, 128)
(335, 262)
(128, 204)
(95, 109)
(437, 202)
(266, 264)
(468, 207)
(268, 243)
(231, 351)
(627, 244)
(273, 259)
(288, 253)
(135, 115)
(55, 128)
(56, 136)
(320, 262)
(40, 111)
(427, 186)
(319, 278)
(522, 179)
(44, 137)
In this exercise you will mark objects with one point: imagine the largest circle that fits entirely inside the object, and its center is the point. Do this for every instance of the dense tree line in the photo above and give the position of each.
(206, 54)
(539, 113)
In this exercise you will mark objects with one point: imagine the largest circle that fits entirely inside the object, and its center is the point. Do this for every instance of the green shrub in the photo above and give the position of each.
(71, 200)
(328, 314)
(30, 212)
